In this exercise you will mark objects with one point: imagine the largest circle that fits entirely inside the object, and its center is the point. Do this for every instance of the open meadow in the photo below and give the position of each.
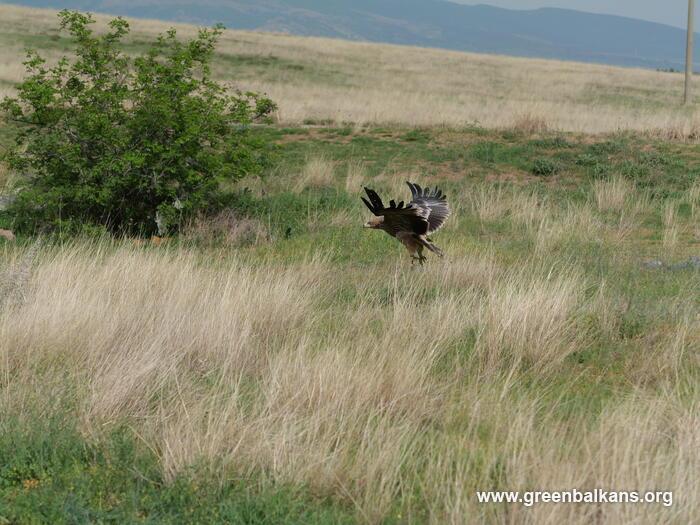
(318, 80)
(279, 364)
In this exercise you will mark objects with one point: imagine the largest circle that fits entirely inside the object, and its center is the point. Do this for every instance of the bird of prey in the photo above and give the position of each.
(411, 223)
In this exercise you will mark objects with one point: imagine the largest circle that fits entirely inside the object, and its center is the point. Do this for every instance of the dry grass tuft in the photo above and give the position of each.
(392, 181)
(356, 176)
(679, 129)
(575, 223)
(671, 352)
(638, 205)
(490, 203)
(530, 124)
(528, 209)
(317, 172)
(227, 228)
(612, 194)
(4, 177)
(497, 202)
(7, 182)
(693, 198)
(671, 227)
(529, 321)
(14, 280)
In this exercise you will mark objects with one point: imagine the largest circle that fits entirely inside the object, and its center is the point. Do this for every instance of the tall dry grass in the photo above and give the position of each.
(372, 83)
(406, 398)
(612, 194)
(572, 224)
(356, 176)
(693, 198)
(317, 172)
(497, 202)
(618, 196)
(671, 230)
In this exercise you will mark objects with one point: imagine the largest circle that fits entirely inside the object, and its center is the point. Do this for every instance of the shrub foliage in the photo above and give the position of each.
(134, 145)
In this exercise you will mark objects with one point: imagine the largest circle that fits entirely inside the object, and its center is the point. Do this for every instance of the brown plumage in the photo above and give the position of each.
(411, 223)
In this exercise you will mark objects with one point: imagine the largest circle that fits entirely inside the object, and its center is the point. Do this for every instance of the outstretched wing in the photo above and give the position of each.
(435, 204)
(375, 203)
(398, 217)
(409, 219)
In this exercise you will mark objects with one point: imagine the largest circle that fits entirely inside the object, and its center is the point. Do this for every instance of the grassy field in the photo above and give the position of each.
(285, 365)
(320, 81)
(279, 364)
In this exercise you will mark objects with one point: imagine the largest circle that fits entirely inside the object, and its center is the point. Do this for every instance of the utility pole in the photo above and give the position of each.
(689, 51)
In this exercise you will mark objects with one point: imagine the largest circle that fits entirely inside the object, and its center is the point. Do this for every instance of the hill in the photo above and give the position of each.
(319, 80)
(544, 33)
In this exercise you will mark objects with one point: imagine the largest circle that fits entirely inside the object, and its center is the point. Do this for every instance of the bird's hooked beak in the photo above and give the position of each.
(367, 225)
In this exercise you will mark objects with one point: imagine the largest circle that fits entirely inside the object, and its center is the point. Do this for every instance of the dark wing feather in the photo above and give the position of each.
(371, 208)
(435, 202)
(377, 204)
(410, 219)
(398, 217)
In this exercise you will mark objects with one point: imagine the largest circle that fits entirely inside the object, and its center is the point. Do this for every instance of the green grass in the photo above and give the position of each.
(666, 168)
(49, 473)
(270, 68)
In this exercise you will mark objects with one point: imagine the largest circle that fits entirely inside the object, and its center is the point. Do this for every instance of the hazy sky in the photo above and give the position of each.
(672, 12)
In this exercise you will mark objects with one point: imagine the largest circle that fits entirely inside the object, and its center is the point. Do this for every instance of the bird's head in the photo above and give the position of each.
(375, 222)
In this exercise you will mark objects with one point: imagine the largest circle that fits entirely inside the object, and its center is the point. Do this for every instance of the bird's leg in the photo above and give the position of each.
(421, 258)
(413, 252)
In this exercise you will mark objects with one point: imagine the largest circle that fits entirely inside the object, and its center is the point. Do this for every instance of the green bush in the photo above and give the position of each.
(134, 145)
(486, 152)
(586, 159)
(551, 143)
(545, 167)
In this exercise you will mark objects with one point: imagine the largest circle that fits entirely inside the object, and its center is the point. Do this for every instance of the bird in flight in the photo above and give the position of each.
(411, 223)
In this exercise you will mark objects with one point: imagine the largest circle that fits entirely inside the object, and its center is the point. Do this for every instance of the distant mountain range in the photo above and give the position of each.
(545, 33)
